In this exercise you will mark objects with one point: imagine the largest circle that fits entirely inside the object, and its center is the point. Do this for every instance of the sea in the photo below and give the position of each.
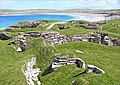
(7, 20)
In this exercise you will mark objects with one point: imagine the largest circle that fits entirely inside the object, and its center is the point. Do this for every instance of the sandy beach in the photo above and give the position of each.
(88, 16)
(78, 16)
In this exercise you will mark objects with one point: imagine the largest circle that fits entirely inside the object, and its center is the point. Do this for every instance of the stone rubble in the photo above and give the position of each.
(30, 73)
(87, 25)
(78, 51)
(92, 68)
(91, 26)
(26, 25)
(5, 36)
(21, 42)
(63, 27)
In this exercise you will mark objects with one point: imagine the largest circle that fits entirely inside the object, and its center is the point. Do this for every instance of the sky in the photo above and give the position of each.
(59, 4)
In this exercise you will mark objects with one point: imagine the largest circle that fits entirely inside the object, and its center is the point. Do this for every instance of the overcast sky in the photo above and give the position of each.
(59, 4)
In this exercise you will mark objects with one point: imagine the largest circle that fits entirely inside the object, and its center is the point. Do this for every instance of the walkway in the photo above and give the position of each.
(52, 24)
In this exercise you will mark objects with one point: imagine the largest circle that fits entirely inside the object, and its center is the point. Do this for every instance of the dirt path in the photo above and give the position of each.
(52, 24)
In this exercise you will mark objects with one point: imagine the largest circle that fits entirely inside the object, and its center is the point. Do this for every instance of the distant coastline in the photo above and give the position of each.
(90, 15)
(50, 11)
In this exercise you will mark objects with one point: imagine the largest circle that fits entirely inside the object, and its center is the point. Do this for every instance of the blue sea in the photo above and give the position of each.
(6, 21)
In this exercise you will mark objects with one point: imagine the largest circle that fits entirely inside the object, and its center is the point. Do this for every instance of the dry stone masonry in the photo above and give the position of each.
(64, 60)
(54, 38)
(21, 42)
(30, 73)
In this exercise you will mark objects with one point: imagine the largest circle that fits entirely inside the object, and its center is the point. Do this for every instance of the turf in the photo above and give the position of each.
(105, 57)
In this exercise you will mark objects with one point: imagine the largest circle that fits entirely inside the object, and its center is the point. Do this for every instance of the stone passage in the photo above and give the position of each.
(30, 73)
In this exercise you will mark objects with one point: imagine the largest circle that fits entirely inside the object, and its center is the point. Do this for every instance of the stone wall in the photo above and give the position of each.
(64, 60)
(21, 42)
(54, 38)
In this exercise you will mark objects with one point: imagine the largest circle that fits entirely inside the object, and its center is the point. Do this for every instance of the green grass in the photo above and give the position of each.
(24, 22)
(41, 28)
(47, 21)
(105, 57)
(71, 31)
(11, 62)
(112, 26)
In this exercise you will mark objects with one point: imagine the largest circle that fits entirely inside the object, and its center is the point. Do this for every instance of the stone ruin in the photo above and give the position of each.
(94, 37)
(33, 34)
(116, 42)
(92, 26)
(5, 36)
(30, 73)
(63, 27)
(54, 38)
(50, 38)
(87, 25)
(26, 25)
(21, 42)
(64, 60)
(92, 68)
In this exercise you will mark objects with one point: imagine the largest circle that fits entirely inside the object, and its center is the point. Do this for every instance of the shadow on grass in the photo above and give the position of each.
(48, 71)
(80, 74)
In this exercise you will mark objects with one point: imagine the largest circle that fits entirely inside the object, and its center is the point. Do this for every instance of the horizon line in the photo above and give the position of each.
(62, 9)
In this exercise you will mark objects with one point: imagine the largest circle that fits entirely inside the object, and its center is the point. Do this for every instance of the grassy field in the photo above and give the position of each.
(105, 57)
(112, 26)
